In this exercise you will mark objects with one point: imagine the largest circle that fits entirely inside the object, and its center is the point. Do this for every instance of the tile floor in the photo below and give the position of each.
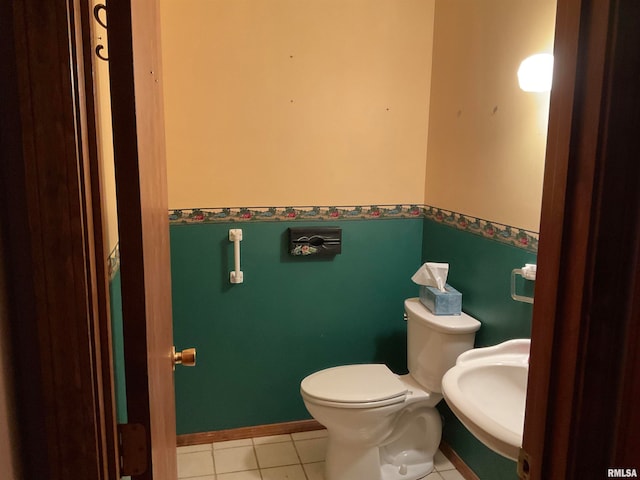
(299, 456)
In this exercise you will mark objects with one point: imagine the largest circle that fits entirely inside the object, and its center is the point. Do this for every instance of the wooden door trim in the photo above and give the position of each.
(240, 433)
(53, 243)
(545, 311)
(143, 224)
(583, 330)
(93, 178)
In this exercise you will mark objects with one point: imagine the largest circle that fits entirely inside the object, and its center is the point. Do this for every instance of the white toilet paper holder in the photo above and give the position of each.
(528, 272)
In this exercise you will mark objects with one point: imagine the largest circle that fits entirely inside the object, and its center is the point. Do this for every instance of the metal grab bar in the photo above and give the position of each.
(235, 236)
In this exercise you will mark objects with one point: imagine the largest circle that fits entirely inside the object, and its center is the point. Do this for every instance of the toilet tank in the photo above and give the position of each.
(435, 341)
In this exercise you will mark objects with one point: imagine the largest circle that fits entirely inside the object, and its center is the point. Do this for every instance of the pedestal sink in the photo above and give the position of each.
(487, 390)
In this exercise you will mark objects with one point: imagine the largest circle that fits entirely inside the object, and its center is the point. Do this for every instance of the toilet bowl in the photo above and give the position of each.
(375, 421)
(382, 426)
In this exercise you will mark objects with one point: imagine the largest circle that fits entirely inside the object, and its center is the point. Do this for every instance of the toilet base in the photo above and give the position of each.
(411, 472)
(347, 462)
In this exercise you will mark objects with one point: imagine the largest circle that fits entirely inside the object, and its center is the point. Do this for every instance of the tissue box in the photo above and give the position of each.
(448, 302)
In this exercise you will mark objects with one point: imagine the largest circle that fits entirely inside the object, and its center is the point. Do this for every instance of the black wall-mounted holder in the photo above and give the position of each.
(305, 241)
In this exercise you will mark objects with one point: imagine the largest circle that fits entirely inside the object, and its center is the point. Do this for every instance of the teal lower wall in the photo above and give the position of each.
(481, 269)
(292, 316)
(115, 296)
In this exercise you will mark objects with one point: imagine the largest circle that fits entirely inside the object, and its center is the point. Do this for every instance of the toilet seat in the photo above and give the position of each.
(354, 386)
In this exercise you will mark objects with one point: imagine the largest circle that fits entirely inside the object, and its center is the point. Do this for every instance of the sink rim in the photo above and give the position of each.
(489, 430)
(516, 350)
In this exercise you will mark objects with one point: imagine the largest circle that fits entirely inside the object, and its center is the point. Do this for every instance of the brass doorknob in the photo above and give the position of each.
(186, 357)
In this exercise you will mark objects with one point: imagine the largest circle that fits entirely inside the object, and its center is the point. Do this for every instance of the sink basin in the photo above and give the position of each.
(487, 390)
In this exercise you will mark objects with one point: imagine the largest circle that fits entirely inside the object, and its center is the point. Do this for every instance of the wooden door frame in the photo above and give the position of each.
(55, 249)
(586, 331)
(55, 256)
(52, 227)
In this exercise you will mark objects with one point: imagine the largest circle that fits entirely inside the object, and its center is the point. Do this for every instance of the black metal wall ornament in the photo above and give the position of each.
(96, 15)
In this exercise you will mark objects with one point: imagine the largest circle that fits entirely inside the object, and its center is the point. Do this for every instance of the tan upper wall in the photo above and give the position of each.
(296, 102)
(105, 132)
(293, 102)
(105, 144)
(487, 138)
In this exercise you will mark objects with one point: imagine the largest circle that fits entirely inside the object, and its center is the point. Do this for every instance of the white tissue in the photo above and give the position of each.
(432, 275)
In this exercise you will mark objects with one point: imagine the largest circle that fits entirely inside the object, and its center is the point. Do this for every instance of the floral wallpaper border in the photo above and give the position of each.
(252, 214)
(113, 262)
(514, 236)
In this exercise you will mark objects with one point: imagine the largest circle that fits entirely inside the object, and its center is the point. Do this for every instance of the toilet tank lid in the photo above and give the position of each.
(354, 384)
(452, 324)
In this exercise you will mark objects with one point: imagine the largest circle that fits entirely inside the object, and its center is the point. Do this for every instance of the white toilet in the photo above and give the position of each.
(383, 426)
